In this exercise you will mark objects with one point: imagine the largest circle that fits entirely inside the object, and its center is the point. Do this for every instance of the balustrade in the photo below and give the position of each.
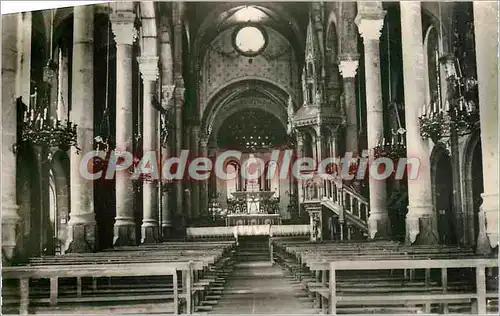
(344, 197)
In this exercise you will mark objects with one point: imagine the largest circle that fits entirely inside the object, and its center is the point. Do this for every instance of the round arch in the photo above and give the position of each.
(60, 198)
(235, 90)
(28, 193)
(473, 174)
(442, 194)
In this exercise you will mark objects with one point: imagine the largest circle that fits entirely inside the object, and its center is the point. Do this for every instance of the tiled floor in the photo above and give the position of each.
(260, 288)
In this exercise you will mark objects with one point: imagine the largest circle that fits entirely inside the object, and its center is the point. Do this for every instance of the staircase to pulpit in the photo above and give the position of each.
(336, 211)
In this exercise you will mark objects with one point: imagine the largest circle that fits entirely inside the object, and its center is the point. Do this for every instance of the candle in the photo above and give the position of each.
(383, 141)
(393, 142)
(25, 117)
(55, 122)
(32, 115)
(424, 112)
(45, 114)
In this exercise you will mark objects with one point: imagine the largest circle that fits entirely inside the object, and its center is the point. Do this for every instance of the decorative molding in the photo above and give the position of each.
(148, 66)
(348, 68)
(122, 24)
(370, 25)
(167, 95)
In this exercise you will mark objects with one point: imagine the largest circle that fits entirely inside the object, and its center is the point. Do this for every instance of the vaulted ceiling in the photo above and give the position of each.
(207, 19)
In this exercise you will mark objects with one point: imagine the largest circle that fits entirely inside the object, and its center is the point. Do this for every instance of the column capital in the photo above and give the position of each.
(148, 66)
(167, 95)
(204, 142)
(122, 24)
(348, 68)
(370, 24)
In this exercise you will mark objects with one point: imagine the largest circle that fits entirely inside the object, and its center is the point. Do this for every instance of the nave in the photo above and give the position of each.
(257, 275)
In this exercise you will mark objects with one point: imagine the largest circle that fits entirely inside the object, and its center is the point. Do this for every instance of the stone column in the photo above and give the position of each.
(421, 225)
(334, 134)
(166, 212)
(319, 146)
(204, 184)
(148, 66)
(178, 9)
(82, 225)
(486, 33)
(370, 20)
(348, 67)
(195, 184)
(179, 194)
(10, 53)
(212, 182)
(167, 103)
(299, 153)
(123, 28)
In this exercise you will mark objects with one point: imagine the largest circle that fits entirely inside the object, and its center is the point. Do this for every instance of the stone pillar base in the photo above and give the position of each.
(10, 222)
(379, 226)
(81, 237)
(166, 232)
(124, 233)
(422, 230)
(487, 239)
(149, 232)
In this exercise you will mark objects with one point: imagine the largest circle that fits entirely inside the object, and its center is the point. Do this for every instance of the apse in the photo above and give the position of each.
(251, 130)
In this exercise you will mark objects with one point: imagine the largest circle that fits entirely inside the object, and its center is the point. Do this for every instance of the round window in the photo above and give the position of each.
(249, 40)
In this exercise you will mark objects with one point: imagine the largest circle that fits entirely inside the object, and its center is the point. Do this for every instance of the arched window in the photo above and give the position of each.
(431, 46)
(309, 93)
(310, 69)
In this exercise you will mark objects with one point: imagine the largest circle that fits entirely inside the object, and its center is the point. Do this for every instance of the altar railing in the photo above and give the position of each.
(248, 230)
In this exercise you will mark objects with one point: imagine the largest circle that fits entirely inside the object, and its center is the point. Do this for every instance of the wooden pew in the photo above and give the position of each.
(480, 295)
(193, 278)
(307, 263)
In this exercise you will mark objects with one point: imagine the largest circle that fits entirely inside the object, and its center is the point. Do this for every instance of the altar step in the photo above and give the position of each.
(253, 249)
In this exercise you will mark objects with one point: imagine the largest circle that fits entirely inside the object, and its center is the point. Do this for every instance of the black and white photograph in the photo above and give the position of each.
(280, 157)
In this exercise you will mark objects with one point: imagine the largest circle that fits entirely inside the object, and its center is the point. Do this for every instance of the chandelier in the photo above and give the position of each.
(460, 113)
(393, 149)
(40, 129)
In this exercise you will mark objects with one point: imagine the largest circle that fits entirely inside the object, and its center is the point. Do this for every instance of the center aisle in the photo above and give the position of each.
(257, 287)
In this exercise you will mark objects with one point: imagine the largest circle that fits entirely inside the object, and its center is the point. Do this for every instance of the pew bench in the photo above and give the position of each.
(206, 265)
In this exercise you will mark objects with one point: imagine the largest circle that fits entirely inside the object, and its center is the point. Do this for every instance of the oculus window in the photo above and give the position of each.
(250, 40)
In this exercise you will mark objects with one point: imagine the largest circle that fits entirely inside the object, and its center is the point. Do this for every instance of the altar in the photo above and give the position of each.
(253, 208)
(253, 219)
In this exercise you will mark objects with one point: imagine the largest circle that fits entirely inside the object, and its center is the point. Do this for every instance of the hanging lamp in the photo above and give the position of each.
(38, 127)
(395, 148)
(461, 110)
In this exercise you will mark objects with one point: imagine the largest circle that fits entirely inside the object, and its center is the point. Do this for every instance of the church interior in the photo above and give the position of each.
(362, 80)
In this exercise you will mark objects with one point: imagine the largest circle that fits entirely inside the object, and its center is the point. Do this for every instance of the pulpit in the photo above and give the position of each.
(253, 208)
